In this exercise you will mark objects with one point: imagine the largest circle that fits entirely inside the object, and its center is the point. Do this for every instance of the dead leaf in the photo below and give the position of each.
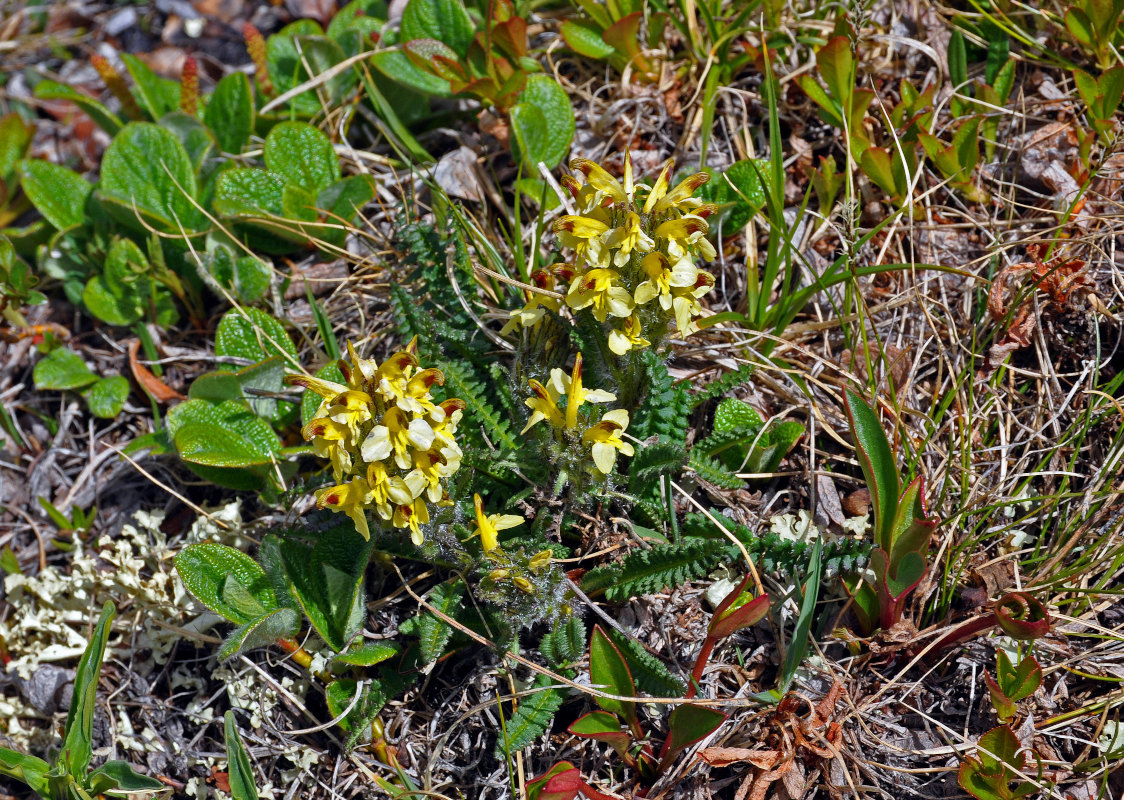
(725, 756)
(857, 503)
(156, 388)
(456, 174)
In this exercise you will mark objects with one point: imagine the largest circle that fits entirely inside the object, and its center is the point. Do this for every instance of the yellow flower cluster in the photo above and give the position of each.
(634, 255)
(604, 438)
(391, 447)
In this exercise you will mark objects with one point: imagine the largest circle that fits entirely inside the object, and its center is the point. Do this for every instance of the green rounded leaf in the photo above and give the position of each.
(208, 570)
(227, 434)
(230, 112)
(584, 39)
(444, 20)
(252, 334)
(146, 172)
(303, 155)
(62, 369)
(58, 193)
(542, 123)
(107, 396)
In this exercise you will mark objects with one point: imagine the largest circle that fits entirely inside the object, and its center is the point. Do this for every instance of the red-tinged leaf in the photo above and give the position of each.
(1004, 706)
(688, 724)
(563, 781)
(740, 609)
(603, 727)
(511, 37)
(544, 787)
(913, 527)
(999, 749)
(609, 671)
(623, 36)
(879, 466)
(1018, 682)
(1022, 616)
(156, 388)
(434, 57)
(725, 756)
(835, 63)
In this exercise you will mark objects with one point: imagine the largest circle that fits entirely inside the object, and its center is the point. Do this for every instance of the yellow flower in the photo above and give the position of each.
(599, 288)
(331, 439)
(397, 435)
(386, 491)
(360, 372)
(351, 408)
(544, 405)
(412, 515)
(601, 180)
(523, 585)
(488, 526)
(678, 199)
(426, 475)
(627, 238)
(540, 561)
(659, 188)
(663, 279)
(686, 305)
(576, 394)
(352, 499)
(583, 235)
(537, 304)
(627, 338)
(605, 437)
(392, 376)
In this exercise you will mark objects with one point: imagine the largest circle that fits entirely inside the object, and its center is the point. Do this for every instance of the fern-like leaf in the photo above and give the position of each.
(664, 409)
(649, 673)
(647, 571)
(433, 633)
(718, 388)
(713, 472)
(653, 460)
(774, 554)
(531, 719)
(565, 644)
(461, 382)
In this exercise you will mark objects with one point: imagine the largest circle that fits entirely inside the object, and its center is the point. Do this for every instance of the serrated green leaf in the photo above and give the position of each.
(648, 673)
(206, 569)
(252, 334)
(531, 719)
(434, 634)
(327, 581)
(61, 370)
(107, 396)
(59, 194)
(565, 644)
(303, 154)
(146, 172)
(230, 112)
